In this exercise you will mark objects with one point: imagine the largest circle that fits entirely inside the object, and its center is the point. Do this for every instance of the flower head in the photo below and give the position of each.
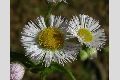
(48, 43)
(56, 1)
(16, 71)
(87, 30)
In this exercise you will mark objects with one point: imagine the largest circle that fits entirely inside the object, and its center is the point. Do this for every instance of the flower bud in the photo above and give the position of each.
(17, 71)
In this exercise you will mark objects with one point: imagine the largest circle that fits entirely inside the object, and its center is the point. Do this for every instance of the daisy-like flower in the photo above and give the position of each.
(56, 1)
(87, 30)
(16, 71)
(48, 43)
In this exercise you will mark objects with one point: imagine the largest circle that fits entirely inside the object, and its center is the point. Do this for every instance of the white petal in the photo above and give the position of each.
(52, 17)
(41, 22)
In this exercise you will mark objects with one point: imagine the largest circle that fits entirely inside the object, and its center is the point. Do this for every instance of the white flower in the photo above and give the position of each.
(56, 1)
(16, 71)
(48, 43)
(87, 30)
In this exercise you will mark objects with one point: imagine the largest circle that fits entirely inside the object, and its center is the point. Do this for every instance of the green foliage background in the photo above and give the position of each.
(21, 11)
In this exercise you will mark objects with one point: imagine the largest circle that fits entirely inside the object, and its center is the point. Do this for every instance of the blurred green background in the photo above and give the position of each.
(21, 11)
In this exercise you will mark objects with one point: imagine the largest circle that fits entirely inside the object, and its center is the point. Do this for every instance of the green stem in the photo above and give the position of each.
(49, 11)
(70, 74)
(44, 78)
(57, 6)
(51, 8)
(101, 69)
(65, 70)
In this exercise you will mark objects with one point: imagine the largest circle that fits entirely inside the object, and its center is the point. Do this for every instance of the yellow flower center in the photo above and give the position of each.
(51, 38)
(85, 34)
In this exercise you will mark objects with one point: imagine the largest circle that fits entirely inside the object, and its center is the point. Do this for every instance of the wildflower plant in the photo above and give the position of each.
(47, 45)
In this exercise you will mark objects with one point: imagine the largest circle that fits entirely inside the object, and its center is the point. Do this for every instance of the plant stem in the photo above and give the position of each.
(101, 69)
(65, 70)
(70, 74)
(50, 9)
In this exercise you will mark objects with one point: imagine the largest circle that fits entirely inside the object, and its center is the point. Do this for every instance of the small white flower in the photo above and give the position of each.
(48, 43)
(87, 30)
(16, 71)
(56, 1)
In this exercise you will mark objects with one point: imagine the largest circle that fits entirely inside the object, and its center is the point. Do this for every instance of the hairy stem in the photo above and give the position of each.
(65, 70)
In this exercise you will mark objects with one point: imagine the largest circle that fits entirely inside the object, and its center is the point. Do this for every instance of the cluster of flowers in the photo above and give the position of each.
(51, 43)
